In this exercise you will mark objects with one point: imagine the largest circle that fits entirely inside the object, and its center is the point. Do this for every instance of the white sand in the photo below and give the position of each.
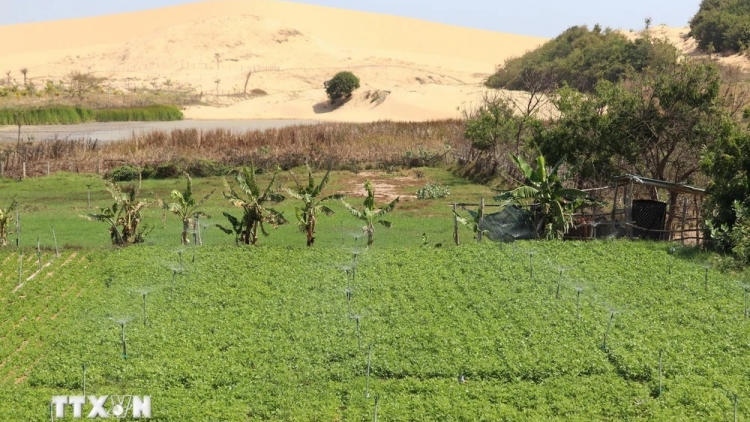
(410, 69)
(421, 70)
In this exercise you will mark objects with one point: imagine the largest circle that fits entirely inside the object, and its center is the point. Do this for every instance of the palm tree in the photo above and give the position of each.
(187, 208)
(307, 215)
(6, 216)
(253, 203)
(369, 214)
(124, 215)
(552, 203)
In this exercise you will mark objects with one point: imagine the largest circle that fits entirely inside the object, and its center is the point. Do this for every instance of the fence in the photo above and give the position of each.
(615, 211)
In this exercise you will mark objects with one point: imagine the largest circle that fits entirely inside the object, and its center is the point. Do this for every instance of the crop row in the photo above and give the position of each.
(482, 332)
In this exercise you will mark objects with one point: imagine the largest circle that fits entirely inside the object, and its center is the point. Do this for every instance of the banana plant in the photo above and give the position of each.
(237, 228)
(371, 215)
(552, 203)
(307, 215)
(253, 201)
(6, 216)
(186, 208)
(124, 216)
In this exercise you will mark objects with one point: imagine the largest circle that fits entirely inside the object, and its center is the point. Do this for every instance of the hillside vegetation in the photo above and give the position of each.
(580, 58)
(722, 26)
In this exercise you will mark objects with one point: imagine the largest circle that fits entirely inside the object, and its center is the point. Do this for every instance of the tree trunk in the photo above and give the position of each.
(245, 233)
(370, 231)
(254, 233)
(185, 229)
(310, 232)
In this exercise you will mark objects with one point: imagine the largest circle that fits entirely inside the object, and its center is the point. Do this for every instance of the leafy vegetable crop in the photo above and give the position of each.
(266, 333)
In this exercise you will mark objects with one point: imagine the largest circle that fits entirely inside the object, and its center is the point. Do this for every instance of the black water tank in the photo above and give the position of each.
(648, 217)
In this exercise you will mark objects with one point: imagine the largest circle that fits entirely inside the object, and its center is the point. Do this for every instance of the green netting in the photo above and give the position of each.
(510, 223)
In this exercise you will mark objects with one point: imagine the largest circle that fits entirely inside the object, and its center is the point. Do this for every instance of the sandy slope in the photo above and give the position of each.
(410, 69)
(688, 46)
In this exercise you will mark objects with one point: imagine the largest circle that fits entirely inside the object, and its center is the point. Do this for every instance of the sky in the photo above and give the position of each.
(544, 18)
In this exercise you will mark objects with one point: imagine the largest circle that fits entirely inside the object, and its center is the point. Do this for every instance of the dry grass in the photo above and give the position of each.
(341, 145)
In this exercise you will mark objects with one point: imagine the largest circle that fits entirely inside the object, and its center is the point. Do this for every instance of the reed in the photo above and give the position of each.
(344, 146)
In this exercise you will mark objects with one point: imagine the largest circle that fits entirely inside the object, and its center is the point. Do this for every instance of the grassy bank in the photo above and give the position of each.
(66, 115)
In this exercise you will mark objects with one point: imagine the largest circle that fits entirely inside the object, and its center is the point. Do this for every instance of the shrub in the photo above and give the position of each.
(123, 173)
(341, 86)
(722, 26)
(207, 168)
(727, 163)
(432, 191)
(734, 238)
(580, 58)
(170, 169)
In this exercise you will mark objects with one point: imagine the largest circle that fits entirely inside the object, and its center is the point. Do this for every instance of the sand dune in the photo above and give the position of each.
(688, 46)
(410, 69)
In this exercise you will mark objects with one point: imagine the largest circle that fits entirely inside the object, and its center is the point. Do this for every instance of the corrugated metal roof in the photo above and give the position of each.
(673, 187)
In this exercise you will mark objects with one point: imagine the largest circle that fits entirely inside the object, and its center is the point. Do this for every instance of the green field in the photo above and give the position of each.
(68, 115)
(267, 333)
(60, 201)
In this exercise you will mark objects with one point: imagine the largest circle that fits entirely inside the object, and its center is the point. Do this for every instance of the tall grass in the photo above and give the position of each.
(56, 115)
(352, 146)
(66, 115)
(149, 113)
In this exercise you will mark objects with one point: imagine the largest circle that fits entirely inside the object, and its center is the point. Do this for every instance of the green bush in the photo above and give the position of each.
(722, 25)
(734, 238)
(124, 173)
(580, 58)
(207, 168)
(432, 191)
(170, 169)
(341, 86)
(727, 208)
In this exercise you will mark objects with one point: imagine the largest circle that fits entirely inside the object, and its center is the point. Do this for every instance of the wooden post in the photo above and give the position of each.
(455, 226)
(629, 209)
(684, 215)
(47, 168)
(57, 251)
(23, 175)
(2, 169)
(697, 221)
(481, 219)
(98, 165)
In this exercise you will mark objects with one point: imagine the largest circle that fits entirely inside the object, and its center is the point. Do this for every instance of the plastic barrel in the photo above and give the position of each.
(649, 218)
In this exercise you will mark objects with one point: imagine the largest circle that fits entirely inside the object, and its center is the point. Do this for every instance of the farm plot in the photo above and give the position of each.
(537, 330)
(36, 291)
